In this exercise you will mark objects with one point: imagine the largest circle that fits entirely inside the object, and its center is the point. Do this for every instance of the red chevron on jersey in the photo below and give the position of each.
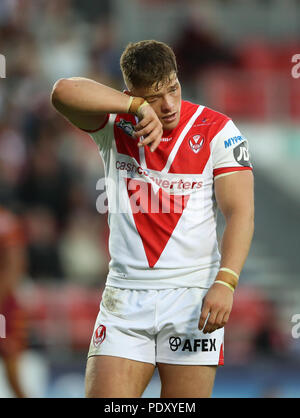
(208, 124)
(157, 159)
(155, 221)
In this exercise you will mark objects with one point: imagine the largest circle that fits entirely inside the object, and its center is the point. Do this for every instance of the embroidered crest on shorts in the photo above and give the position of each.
(99, 335)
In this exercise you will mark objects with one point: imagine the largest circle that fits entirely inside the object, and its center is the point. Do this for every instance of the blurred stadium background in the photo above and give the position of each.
(234, 56)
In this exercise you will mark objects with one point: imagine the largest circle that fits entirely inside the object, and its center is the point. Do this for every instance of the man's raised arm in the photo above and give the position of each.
(86, 103)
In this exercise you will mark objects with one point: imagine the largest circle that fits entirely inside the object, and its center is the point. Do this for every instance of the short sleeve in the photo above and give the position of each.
(103, 136)
(230, 151)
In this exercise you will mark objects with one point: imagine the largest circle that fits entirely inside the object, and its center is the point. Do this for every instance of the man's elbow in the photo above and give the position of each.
(57, 93)
(248, 219)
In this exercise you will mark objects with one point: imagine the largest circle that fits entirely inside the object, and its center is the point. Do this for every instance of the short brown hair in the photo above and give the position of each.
(147, 62)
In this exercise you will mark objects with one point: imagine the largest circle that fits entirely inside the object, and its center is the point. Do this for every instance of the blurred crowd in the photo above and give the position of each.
(49, 169)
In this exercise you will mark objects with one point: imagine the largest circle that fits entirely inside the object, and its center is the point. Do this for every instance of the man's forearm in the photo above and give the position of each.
(236, 241)
(87, 96)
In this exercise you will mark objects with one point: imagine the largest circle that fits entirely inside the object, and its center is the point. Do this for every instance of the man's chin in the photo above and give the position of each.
(169, 126)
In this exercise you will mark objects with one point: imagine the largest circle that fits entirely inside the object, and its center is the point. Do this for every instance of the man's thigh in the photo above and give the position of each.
(181, 381)
(187, 359)
(179, 341)
(116, 377)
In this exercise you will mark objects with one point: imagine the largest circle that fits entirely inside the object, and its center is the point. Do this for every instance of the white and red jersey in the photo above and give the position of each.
(162, 208)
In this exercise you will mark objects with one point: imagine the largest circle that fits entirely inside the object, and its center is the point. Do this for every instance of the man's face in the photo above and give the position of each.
(166, 101)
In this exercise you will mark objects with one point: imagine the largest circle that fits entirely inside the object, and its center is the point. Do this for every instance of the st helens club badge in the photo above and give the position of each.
(196, 143)
(99, 335)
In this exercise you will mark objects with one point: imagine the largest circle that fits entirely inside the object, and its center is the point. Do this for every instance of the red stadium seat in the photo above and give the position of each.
(242, 95)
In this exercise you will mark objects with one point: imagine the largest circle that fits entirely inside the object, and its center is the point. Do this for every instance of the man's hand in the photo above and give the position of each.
(218, 304)
(149, 127)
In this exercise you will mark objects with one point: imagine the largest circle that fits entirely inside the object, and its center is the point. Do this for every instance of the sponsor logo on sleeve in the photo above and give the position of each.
(234, 140)
(241, 155)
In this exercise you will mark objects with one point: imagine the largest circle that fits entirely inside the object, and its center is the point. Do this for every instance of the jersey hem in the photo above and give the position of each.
(194, 280)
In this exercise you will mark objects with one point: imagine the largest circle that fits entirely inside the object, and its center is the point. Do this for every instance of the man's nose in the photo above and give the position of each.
(167, 105)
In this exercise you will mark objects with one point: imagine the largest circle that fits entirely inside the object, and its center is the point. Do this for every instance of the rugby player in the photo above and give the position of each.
(169, 291)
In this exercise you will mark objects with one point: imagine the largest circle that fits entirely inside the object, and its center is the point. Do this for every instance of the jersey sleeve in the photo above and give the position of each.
(230, 151)
(103, 136)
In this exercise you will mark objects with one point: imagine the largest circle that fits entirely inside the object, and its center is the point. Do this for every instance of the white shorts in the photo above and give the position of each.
(155, 326)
